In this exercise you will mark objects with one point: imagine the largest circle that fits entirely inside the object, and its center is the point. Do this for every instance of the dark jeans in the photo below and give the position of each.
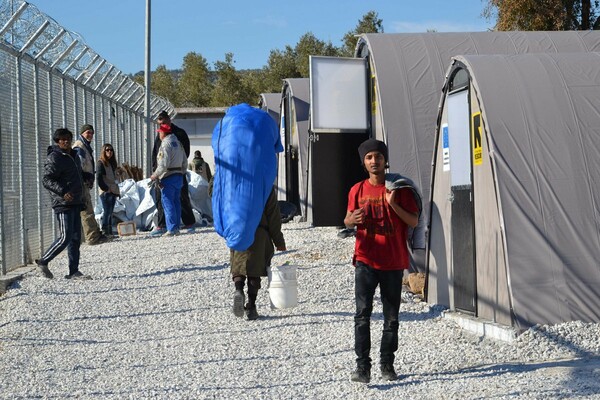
(69, 228)
(108, 201)
(366, 280)
(187, 215)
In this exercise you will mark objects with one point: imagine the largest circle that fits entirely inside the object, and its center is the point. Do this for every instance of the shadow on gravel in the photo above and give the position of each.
(582, 370)
(183, 268)
(308, 315)
(109, 317)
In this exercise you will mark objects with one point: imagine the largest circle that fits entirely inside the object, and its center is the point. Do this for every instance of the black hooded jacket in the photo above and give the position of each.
(62, 174)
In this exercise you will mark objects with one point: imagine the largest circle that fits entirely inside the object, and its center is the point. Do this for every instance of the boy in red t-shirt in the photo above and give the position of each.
(382, 218)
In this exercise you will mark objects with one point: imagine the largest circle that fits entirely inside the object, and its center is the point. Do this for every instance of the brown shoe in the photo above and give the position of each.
(101, 239)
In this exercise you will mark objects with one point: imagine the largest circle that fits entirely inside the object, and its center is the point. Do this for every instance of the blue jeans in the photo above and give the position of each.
(69, 228)
(108, 201)
(170, 193)
(366, 280)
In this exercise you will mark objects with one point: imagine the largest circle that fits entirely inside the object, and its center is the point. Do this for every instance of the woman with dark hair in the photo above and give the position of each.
(107, 182)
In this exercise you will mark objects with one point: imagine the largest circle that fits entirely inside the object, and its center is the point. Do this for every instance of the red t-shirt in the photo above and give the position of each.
(381, 239)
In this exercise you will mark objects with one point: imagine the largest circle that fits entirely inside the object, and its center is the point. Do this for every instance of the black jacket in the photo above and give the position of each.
(180, 134)
(62, 174)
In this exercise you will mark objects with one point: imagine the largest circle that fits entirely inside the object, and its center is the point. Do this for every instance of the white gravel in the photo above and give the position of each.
(156, 322)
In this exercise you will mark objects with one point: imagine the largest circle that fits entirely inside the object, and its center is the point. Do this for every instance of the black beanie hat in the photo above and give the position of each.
(86, 127)
(372, 145)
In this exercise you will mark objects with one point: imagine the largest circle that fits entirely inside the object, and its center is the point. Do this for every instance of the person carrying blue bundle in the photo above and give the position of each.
(381, 216)
(245, 209)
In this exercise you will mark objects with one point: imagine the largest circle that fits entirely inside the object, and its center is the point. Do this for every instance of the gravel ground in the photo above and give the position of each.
(156, 322)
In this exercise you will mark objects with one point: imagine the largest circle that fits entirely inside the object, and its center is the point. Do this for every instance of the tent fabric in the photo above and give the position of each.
(245, 143)
(137, 204)
(542, 124)
(297, 90)
(271, 103)
(410, 70)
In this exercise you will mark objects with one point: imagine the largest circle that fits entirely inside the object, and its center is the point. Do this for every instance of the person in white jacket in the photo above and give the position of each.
(171, 165)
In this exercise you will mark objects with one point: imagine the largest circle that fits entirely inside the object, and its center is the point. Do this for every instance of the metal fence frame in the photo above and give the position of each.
(49, 78)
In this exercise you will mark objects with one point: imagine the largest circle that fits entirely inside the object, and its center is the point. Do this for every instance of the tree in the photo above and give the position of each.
(309, 45)
(255, 83)
(548, 15)
(229, 88)
(194, 86)
(163, 84)
(370, 23)
(281, 65)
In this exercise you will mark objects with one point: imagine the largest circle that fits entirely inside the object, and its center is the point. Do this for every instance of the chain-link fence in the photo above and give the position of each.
(49, 78)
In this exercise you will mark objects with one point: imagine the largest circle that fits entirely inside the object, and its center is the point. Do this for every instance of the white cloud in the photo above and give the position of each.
(271, 21)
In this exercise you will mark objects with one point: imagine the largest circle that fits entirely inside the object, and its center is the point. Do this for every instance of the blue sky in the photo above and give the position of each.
(115, 29)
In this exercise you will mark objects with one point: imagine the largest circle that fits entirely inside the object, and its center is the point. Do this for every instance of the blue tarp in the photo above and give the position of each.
(245, 144)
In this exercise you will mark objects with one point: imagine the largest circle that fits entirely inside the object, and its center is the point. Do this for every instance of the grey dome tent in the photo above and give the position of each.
(271, 103)
(292, 178)
(515, 206)
(408, 73)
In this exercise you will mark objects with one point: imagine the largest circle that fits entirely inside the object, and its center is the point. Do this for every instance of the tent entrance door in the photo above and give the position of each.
(461, 196)
(291, 156)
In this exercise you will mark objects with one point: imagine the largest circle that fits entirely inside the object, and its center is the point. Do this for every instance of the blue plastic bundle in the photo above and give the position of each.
(245, 144)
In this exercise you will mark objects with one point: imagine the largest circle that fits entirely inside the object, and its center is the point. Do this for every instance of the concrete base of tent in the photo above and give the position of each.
(481, 327)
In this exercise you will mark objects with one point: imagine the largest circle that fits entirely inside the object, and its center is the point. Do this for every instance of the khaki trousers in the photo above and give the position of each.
(91, 231)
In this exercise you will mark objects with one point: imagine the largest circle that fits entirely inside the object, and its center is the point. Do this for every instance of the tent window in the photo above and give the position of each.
(460, 80)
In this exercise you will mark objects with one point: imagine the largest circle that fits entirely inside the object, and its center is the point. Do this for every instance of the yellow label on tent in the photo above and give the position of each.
(476, 139)
(374, 95)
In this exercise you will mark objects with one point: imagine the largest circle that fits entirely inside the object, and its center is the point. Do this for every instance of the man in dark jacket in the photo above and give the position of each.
(63, 180)
(187, 215)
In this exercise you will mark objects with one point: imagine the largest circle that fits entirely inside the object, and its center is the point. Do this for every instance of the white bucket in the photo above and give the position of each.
(283, 286)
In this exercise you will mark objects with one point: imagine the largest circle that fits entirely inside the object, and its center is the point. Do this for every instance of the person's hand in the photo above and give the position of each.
(281, 248)
(68, 197)
(390, 196)
(358, 216)
(152, 177)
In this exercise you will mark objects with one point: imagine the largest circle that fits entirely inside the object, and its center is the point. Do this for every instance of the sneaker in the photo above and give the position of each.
(361, 375)
(238, 303)
(43, 269)
(251, 312)
(78, 276)
(344, 233)
(158, 232)
(190, 228)
(171, 233)
(388, 373)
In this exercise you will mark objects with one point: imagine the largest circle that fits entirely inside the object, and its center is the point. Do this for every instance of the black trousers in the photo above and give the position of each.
(69, 228)
(187, 215)
(366, 280)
